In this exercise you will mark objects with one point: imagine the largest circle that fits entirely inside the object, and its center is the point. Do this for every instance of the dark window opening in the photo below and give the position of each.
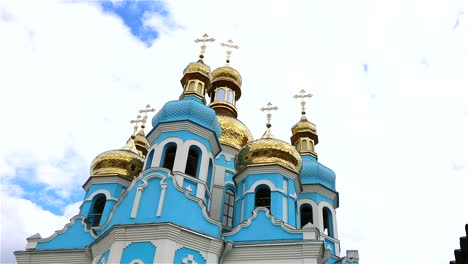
(263, 197)
(169, 157)
(96, 212)
(192, 162)
(306, 215)
(228, 214)
(327, 223)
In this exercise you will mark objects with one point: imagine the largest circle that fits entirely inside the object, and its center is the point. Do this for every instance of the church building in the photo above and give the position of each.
(198, 188)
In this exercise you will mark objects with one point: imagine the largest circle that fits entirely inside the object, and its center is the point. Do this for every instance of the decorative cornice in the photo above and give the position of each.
(318, 188)
(270, 168)
(186, 125)
(105, 179)
(65, 228)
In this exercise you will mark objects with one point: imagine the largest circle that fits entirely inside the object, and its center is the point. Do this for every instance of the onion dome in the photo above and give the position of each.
(225, 88)
(269, 151)
(304, 133)
(235, 133)
(313, 172)
(141, 143)
(124, 162)
(188, 109)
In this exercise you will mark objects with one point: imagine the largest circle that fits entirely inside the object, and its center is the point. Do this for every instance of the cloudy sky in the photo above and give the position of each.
(390, 85)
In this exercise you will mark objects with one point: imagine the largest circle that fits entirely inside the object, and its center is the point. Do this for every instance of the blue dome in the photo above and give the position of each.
(315, 173)
(188, 109)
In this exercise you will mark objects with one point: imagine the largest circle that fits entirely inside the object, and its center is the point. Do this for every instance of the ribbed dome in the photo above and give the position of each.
(141, 143)
(235, 133)
(304, 128)
(188, 109)
(268, 151)
(195, 68)
(314, 172)
(121, 162)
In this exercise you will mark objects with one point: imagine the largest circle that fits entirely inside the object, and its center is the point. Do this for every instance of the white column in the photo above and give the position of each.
(165, 251)
(116, 252)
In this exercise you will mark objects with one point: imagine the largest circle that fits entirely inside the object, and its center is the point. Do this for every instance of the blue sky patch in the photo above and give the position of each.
(134, 14)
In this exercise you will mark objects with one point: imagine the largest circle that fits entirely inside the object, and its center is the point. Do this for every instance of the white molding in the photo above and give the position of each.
(158, 150)
(189, 126)
(139, 191)
(105, 179)
(101, 191)
(317, 188)
(136, 261)
(321, 205)
(262, 169)
(315, 213)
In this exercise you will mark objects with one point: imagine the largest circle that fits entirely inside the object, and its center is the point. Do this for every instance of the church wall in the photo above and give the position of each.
(186, 255)
(139, 252)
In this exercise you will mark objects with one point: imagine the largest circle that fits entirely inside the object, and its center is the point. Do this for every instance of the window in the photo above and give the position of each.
(210, 175)
(220, 95)
(263, 197)
(192, 161)
(306, 215)
(224, 94)
(327, 222)
(304, 145)
(169, 157)
(97, 208)
(191, 86)
(228, 214)
(230, 96)
(199, 88)
(149, 160)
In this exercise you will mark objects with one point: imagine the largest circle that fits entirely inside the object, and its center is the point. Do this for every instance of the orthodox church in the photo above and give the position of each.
(199, 189)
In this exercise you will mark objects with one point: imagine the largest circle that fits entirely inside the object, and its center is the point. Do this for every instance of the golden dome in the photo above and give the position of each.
(269, 151)
(304, 128)
(197, 70)
(235, 133)
(227, 74)
(141, 143)
(121, 162)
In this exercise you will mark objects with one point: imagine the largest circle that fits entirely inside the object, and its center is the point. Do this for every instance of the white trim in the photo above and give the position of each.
(315, 213)
(261, 182)
(158, 153)
(136, 261)
(101, 191)
(161, 199)
(321, 205)
(139, 191)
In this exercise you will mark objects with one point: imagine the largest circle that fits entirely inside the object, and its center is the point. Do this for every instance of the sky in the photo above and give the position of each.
(390, 86)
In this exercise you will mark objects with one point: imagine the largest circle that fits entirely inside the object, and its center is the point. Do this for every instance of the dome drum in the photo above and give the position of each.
(198, 71)
(296, 136)
(227, 76)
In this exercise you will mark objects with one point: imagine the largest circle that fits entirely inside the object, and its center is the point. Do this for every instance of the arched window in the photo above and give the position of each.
(304, 145)
(230, 96)
(263, 197)
(193, 160)
(220, 94)
(199, 88)
(210, 175)
(306, 215)
(169, 156)
(228, 214)
(191, 86)
(327, 222)
(149, 160)
(94, 217)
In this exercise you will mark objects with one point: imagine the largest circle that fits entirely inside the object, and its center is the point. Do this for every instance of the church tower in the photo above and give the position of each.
(199, 189)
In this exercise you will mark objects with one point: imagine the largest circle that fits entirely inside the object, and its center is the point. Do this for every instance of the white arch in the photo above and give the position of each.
(262, 182)
(315, 214)
(205, 157)
(160, 147)
(136, 261)
(101, 191)
(321, 205)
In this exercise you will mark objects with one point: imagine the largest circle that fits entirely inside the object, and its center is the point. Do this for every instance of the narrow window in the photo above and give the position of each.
(169, 157)
(96, 210)
(191, 86)
(327, 222)
(228, 214)
(230, 96)
(210, 175)
(149, 160)
(263, 197)
(306, 215)
(192, 162)
(304, 145)
(199, 88)
(220, 94)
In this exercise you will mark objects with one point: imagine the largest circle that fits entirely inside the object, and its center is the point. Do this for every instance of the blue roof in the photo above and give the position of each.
(188, 109)
(313, 172)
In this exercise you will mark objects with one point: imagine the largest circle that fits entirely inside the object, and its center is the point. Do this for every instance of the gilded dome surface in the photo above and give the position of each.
(269, 151)
(313, 172)
(141, 143)
(120, 162)
(198, 67)
(235, 133)
(227, 73)
(304, 126)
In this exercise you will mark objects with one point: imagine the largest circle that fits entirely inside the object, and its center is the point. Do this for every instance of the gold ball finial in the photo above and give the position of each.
(204, 39)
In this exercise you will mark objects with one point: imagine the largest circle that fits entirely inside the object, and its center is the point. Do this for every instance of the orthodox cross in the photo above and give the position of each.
(136, 121)
(302, 95)
(268, 109)
(147, 110)
(229, 45)
(203, 40)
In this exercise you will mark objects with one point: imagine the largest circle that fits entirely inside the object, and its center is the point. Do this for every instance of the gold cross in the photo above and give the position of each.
(268, 109)
(136, 122)
(147, 110)
(302, 95)
(228, 46)
(203, 40)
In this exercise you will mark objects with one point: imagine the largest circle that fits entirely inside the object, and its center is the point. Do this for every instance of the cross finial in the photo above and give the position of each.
(268, 109)
(302, 95)
(136, 121)
(147, 110)
(203, 40)
(229, 45)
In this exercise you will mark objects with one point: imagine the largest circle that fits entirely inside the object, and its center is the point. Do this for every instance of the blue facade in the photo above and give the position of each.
(189, 188)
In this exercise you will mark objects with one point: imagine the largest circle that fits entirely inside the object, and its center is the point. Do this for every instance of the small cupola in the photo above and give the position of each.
(304, 133)
(226, 84)
(196, 78)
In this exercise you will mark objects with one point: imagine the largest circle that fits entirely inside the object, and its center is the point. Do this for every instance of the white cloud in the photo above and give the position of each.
(400, 158)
